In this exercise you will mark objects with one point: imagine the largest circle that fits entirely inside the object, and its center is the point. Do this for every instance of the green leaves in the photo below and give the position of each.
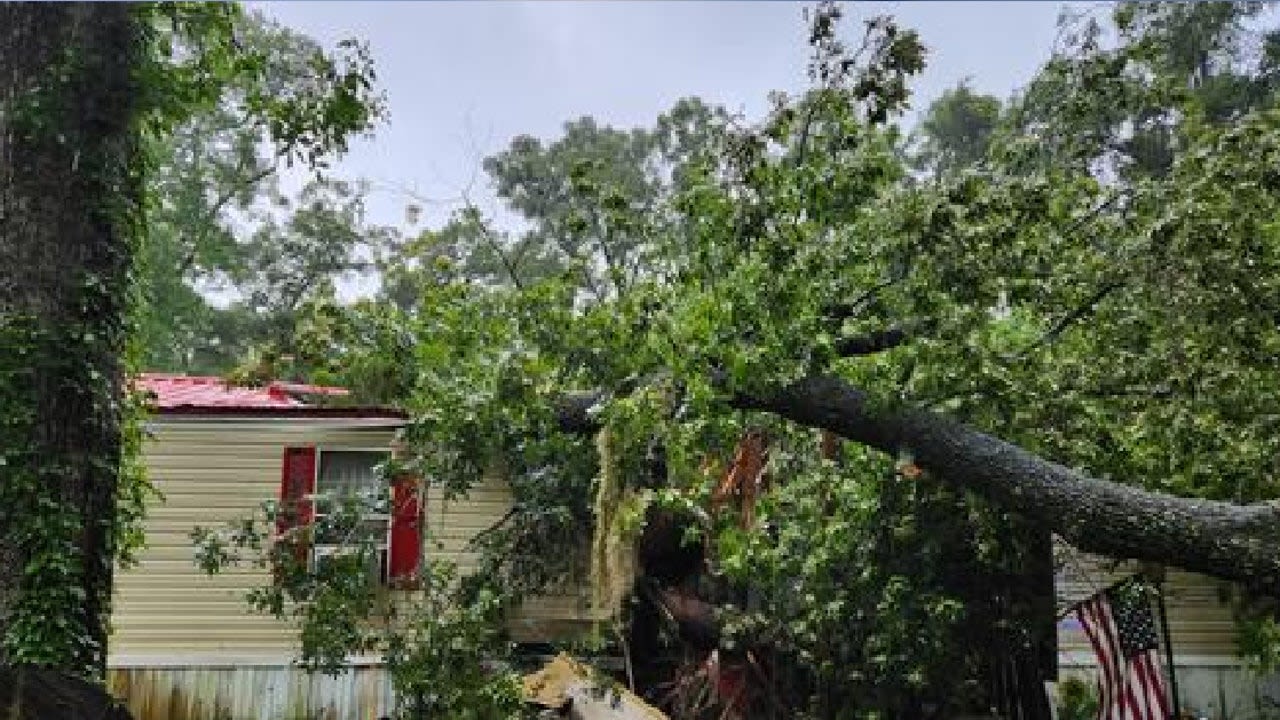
(307, 101)
(1100, 296)
(48, 622)
(957, 130)
(439, 643)
(236, 96)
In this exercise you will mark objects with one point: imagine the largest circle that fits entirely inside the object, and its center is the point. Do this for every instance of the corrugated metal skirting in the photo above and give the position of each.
(1218, 691)
(251, 693)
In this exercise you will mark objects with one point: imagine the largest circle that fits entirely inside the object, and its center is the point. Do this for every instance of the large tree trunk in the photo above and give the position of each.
(68, 191)
(1233, 542)
(40, 694)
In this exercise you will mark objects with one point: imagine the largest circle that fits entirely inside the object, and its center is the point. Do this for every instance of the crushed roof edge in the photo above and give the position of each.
(297, 411)
(278, 399)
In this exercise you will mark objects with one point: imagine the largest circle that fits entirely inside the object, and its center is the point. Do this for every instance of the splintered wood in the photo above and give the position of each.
(580, 693)
(745, 479)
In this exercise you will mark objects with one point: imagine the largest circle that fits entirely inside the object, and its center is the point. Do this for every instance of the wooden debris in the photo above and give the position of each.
(578, 692)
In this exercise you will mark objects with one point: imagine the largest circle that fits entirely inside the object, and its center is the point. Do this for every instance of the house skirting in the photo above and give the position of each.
(253, 690)
(1209, 686)
(271, 688)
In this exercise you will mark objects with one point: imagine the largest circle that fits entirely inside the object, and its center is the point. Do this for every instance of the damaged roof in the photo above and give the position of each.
(205, 395)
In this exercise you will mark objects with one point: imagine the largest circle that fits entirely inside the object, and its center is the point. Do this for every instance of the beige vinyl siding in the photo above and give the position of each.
(209, 473)
(452, 523)
(1212, 680)
(1200, 622)
(212, 471)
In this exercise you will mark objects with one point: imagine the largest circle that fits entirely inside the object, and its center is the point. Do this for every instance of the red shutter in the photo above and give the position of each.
(297, 481)
(406, 530)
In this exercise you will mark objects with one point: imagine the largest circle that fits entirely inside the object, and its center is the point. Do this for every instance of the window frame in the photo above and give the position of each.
(318, 549)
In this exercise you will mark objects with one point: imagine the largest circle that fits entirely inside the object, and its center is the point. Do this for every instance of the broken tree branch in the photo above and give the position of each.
(1075, 315)
(1233, 542)
(872, 342)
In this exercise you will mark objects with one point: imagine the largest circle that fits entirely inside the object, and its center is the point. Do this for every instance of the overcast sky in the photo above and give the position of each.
(463, 78)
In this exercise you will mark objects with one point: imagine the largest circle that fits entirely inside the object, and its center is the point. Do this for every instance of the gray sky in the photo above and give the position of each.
(463, 78)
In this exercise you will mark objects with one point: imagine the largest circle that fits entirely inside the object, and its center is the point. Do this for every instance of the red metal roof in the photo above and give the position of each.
(194, 394)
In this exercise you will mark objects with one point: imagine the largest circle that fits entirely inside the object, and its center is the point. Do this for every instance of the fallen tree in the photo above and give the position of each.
(1234, 542)
(1123, 327)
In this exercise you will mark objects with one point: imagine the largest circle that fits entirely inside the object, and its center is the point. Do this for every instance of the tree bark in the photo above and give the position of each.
(1233, 542)
(37, 694)
(1240, 543)
(68, 190)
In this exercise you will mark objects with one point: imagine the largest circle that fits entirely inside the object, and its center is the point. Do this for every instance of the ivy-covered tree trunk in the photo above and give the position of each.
(69, 193)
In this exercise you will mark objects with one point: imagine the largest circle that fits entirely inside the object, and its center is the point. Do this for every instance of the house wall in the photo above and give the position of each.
(451, 524)
(185, 645)
(1211, 678)
(166, 609)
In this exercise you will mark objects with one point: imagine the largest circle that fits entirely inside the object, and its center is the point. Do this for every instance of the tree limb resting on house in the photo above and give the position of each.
(1233, 542)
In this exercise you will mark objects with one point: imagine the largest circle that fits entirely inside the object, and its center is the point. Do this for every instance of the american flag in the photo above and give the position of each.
(1122, 630)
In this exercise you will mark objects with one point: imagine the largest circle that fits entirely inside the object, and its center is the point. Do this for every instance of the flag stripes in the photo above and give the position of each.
(1121, 629)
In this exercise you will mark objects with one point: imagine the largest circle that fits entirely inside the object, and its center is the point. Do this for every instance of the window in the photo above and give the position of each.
(347, 483)
(341, 488)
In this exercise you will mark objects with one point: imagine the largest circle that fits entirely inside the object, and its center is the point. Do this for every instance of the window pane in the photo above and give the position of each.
(348, 473)
(344, 476)
(376, 561)
(336, 532)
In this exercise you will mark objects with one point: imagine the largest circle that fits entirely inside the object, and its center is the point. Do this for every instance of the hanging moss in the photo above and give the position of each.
(613, 551)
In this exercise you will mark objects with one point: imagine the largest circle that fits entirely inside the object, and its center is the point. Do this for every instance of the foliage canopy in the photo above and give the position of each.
(1086, 272)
